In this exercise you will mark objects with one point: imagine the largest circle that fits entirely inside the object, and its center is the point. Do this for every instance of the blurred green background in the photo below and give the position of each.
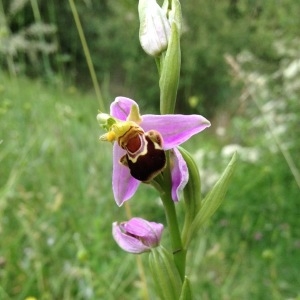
(240, 68)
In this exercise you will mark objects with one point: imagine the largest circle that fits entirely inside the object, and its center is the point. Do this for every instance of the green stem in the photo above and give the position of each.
(179, 253)
(158, 61)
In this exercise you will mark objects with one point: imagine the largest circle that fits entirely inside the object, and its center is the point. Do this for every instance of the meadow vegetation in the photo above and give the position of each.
(56, 202)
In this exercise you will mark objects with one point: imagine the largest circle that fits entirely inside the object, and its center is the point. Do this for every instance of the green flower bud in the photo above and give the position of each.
(105, 120)
(102, 118)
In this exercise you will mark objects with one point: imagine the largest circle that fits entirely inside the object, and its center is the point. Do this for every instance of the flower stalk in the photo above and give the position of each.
(179, 253)
(146, 149)
(177, 249)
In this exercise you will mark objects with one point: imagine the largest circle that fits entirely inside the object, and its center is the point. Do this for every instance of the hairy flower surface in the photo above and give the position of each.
(137, 235)
(135, 134)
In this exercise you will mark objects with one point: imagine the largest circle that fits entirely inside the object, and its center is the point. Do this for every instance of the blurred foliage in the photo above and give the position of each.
(211, 29)
(26, 44)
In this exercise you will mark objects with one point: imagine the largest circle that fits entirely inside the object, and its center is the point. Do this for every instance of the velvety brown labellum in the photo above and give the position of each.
(150, 162)
(130, 141)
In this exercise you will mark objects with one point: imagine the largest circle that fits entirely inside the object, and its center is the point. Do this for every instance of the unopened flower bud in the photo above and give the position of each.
(155, 28)
(137, 235)
(102, 118)
(106, 121)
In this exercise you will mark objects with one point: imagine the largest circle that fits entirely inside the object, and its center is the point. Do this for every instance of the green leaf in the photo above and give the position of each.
(175, 14)
(186, 293)
(191, 193)
(214, 198)
(169, 78)
(165, 275)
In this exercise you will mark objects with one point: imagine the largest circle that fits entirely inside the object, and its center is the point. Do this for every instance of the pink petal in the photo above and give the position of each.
(124, 185)
(120, 108)
(149, 232)
(179, 174)
(126, 242)
(175, 129)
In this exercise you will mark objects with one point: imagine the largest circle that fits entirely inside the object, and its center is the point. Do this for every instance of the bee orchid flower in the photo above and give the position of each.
(141, 142)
